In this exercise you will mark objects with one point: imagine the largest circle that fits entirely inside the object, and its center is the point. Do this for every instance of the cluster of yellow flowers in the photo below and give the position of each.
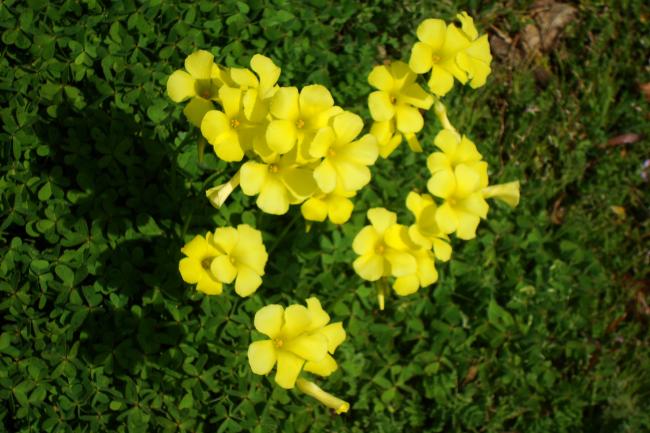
(299, 147)
(459, 176)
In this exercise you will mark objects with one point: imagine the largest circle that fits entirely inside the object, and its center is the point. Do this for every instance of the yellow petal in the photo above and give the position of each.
(243, 78)
(415, 95)
(402, 74)
(230, 100)
(209, 285)
(369, 266)
(474, 204)
(223, 269)
(401, 262)
(418, 237)
(281, 135)
(250, 249)
(506, 192)
(226, 238)
(381, 219)
(347, 126)
(455, 41)
(442, 184)
(289, 366)
(340, 209)
(467, 24)
(467, 225)
(269, 320)
(191, 270)
(247, 281)
(351, 176)
(261, 356)
(214, 124)
(325, 176)
(335, 335)
(314, 209)
(198, 248)
(421, 58)
(253, 176)
(314, 99)
(381, 106)
(441, 249)
(273, 197)
(284, 104)
(381, 78)
(196, 109)
(322, 141)
(446, 218)
(324, 367)
(364, 242)
(406, 285)
(440, 81)
(447, 141)
(319, 317)
(438, 161)
(228, 147)
(267, 71)
(467, 181)
(427, 273)
(180, 86)
(432, 32)
(199, 64)
(397, 237)
(300, 182)
(296, 321)
(363, 151)
(308, 347)
(408, 118)
(477, 70)
(254, 109)
(466, 151)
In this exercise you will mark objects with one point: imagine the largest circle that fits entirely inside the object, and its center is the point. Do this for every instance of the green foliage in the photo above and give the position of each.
(535, 326)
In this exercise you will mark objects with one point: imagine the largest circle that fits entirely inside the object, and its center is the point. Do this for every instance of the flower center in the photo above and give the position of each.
(300, 123)
(273, 168)
(234, 123)
(435, 58)
(278, 342)
(203, 88)
(393, 99)
(331, 153)
(205, 263)
(452, 201)
(379, 249)
(232, 260)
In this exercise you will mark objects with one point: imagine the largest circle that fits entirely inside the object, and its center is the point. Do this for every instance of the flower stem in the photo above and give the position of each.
(313, 390)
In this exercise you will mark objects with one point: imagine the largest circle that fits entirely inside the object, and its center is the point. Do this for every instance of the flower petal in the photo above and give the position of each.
(467, 225)
(352, 176)
(243, 77)
(269, 320)
(262, 356)
(364, 242)
(196, 109)
(314, 100)
(180, 86)
(408, 118)
(421, 58)
(230, 100)
(324, 367)
(475, 204)
(447, 141)
(442, 184)
(381, 219)
(347, 126)
(363, 151)
(467, 23)
(228, 147)
(281, 135)
(432, 32)
(322, 141)
(284, 104)
(369, 266)
(223, 269)
(247, 281)
(199, 64)
(309, 347)
(381, 78)
(319, 317)
(296, 321)
(250, 249)
(253, 176)
(415, 95)
(314, 210)
(300, 182)
(381, 106)
(209, 285)
(467, 181)
(273, 197)
(446, 218)
(340, 209)
(267, 71)
(214, 124)
(441, 249)
(335, 335)
(440, 81)
(325, 176)
(406, 285)
(289, 366)
(401, 262)
(191, 270)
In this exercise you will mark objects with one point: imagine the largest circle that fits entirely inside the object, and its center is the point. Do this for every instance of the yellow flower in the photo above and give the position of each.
(425, 232)
(344, 162)
(297, 117)
(195, 268)
(299, 336)
(243, 258)
(383, 247)
(201, 82)
(278, 182)
(229, 132)
(424, 275)
(336, 206)
(449, 52)
(398, 97)
(257, 90)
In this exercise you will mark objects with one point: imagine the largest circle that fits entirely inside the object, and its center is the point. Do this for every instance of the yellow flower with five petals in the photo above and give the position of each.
(195, 268)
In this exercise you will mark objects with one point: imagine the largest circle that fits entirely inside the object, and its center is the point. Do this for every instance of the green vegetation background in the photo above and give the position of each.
(538, 325)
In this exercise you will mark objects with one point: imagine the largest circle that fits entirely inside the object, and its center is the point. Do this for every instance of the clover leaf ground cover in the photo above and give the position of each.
(540, 324)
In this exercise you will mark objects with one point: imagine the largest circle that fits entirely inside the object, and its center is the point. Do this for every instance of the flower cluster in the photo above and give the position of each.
(297, 146)
(223, 257)
(300, 339)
